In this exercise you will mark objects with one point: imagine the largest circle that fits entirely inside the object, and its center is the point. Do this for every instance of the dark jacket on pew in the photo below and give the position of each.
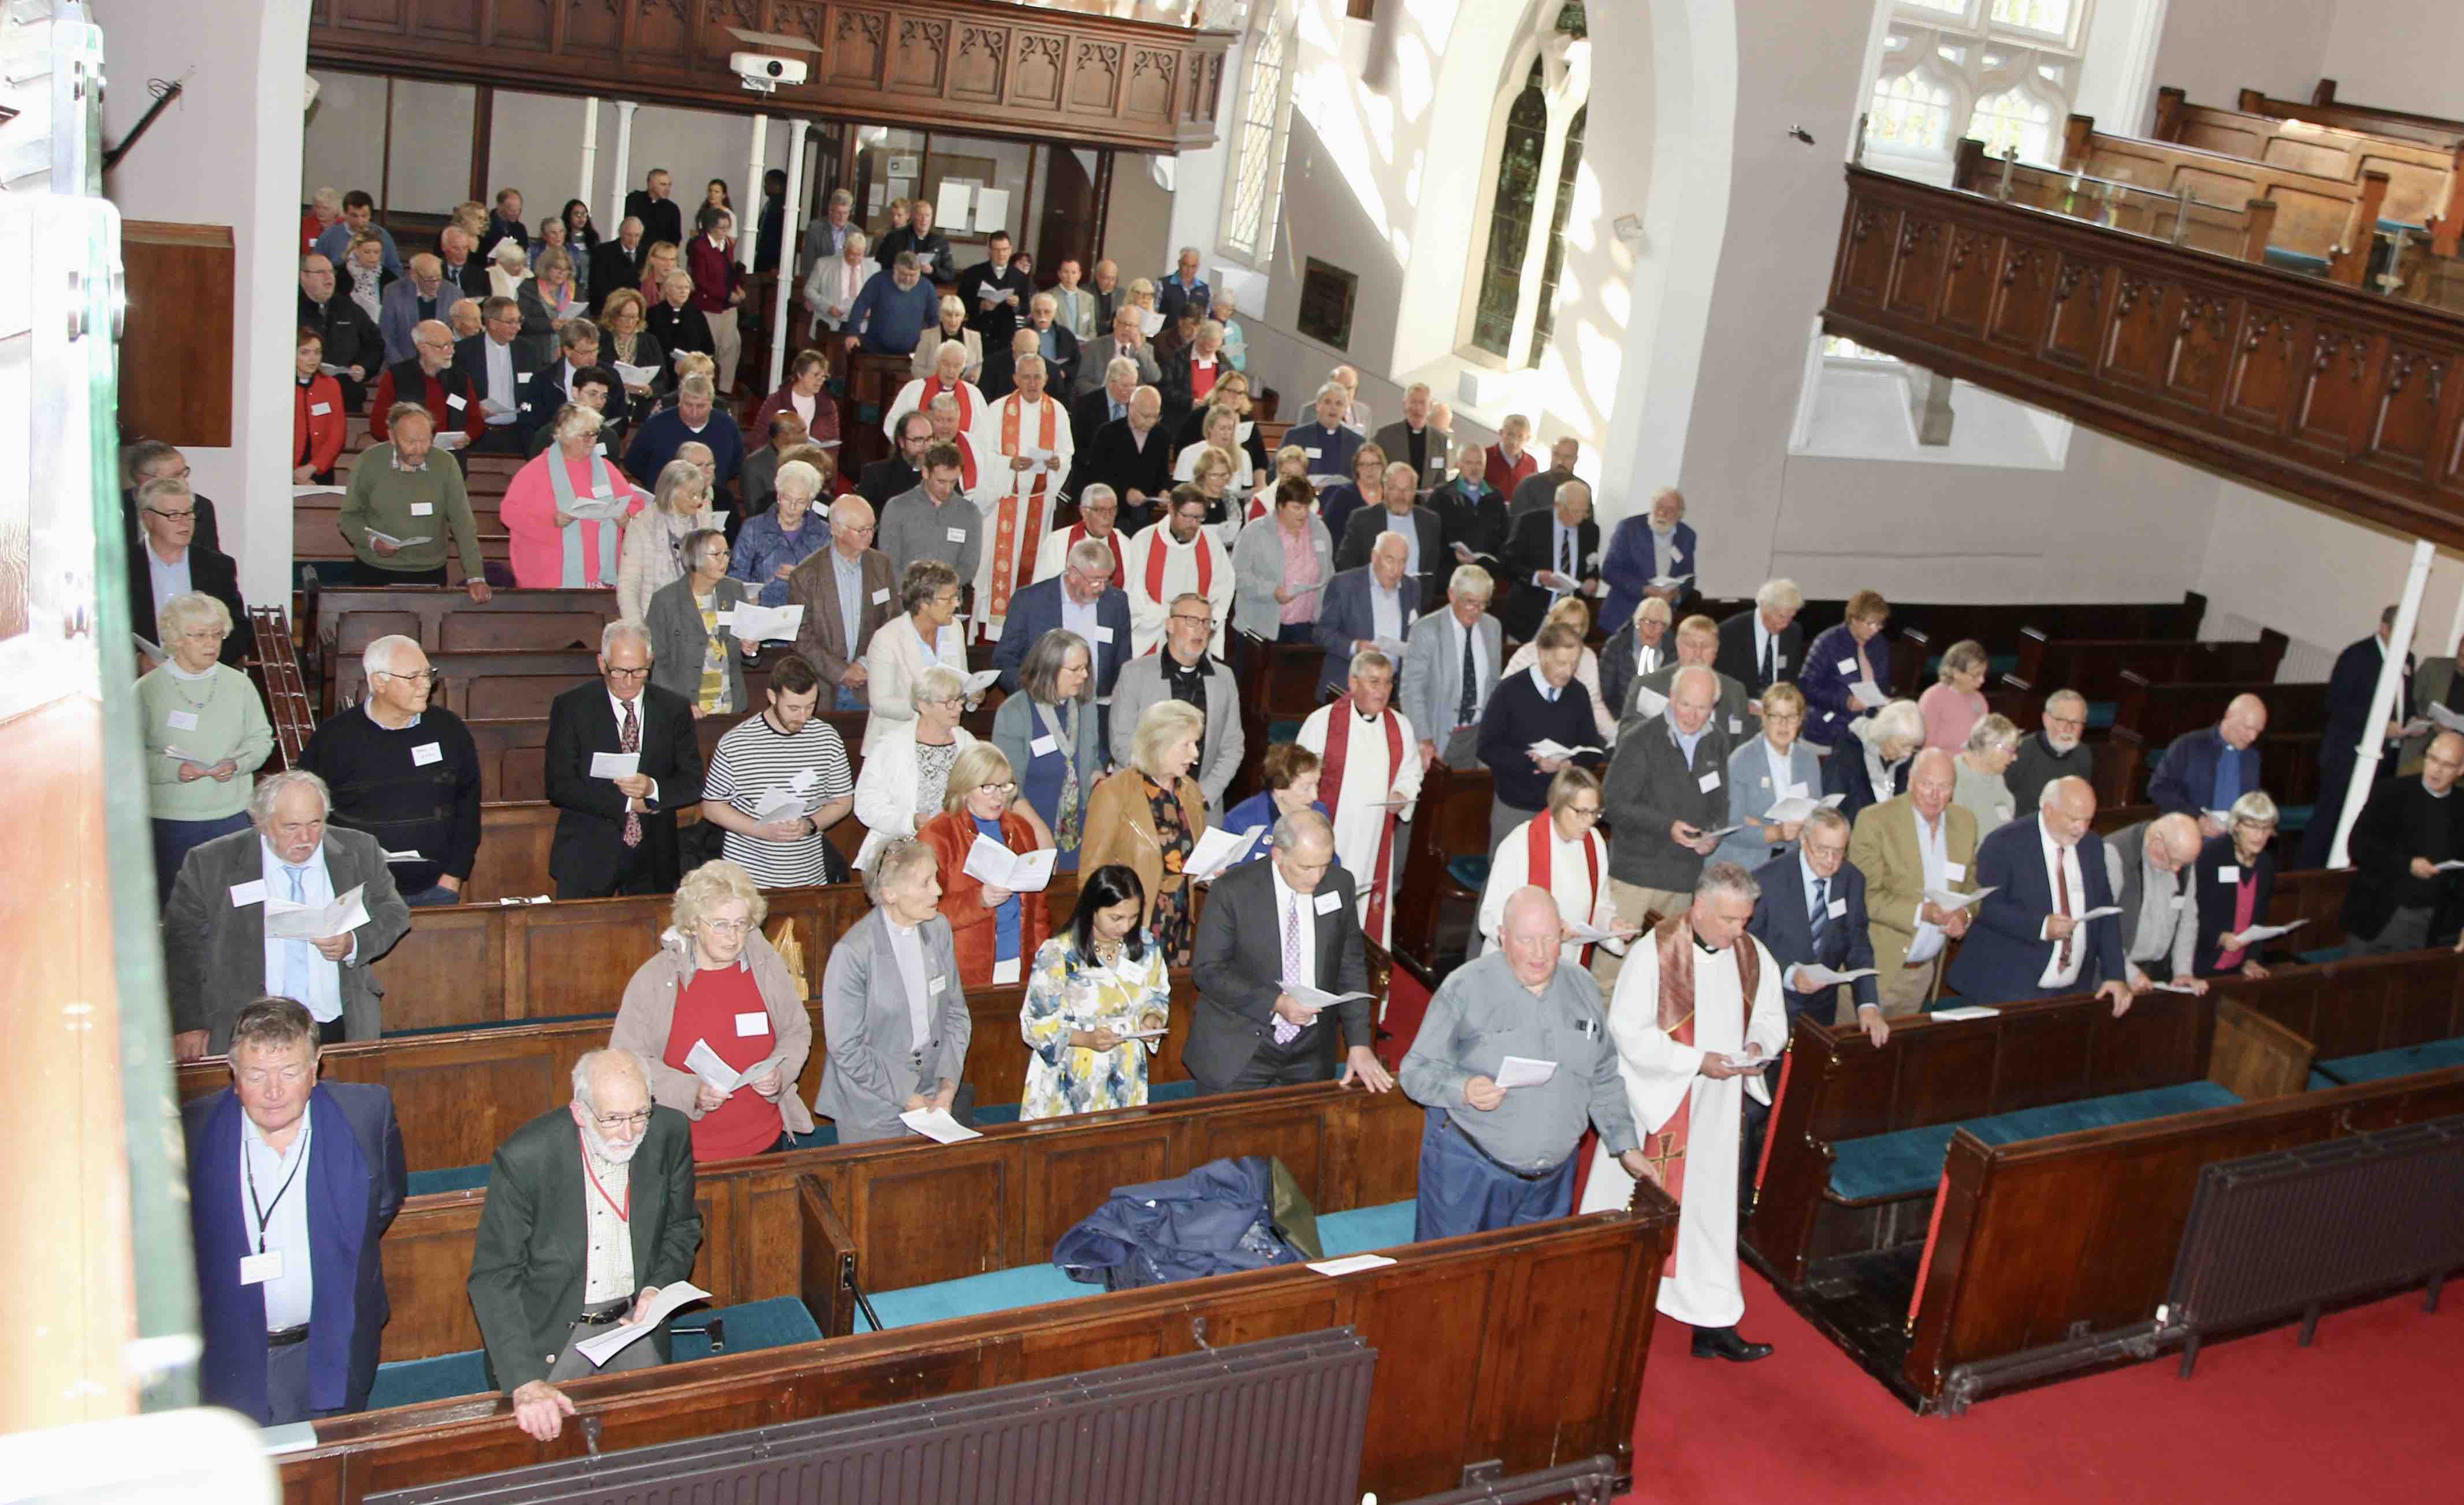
(530, 1258)
(2215, 896)
(2002, 957)
(356, 1183)
(416, 789)
(1236, 965)
(213, 950)
(2185, 779)
(588, 855)
(210, 571)
(1783, 923)
(2402, 822)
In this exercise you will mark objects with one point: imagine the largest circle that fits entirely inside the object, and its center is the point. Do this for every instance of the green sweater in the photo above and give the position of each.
(388, 500)
(229, 723)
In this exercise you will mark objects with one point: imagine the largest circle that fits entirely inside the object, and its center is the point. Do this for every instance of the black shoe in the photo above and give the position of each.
(1723, 1343)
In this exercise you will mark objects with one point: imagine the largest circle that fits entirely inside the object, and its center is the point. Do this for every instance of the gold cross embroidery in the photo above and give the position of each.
(1670, 1150)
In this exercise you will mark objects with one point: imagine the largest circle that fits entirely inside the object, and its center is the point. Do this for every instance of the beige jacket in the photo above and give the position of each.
(649, 1011)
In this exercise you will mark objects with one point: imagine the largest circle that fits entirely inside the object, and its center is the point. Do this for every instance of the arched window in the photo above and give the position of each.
(1253, 191)
(1539, 151)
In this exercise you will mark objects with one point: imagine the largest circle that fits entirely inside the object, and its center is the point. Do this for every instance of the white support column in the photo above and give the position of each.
(623, 183)
(748, 232)
(2454, 629)
(790, 229)
(589, 148)
(2383, 706)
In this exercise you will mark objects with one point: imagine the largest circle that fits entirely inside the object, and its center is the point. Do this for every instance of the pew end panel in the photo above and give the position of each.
(2254, 1057)
(827, 1267)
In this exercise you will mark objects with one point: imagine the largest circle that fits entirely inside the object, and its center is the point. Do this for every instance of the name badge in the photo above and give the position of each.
(1847, 666)
(1328, 904)
(320, 410)
(2229, 874)
(1676, 555)
(1779, 660)
(881, 597)
(1709, 780)
(607, 493)
(1041, 745)
(252, 891)
(426, 753)
(423, 509)
(256, 1270)
(1954, 871)
(1103, 635)
(755, 1023)
(933, 983)
(1736, 728)
(1766, 781)
(1313, 452)
(956, 535)
(520, 377)
(182, 720)
(453, 402)
(1838, 909)
(600, 448)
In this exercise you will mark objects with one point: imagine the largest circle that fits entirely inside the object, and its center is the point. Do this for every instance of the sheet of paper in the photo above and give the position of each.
(598, 509)
(1218, 849)
(779, 805)
(536, 898)
(636, 375)
(2116, 909)
(757, 624)
(1722, 830)
(937, 1124)
(1522, 1070)
(1797, 808)
(148, 647)
(389, 538)
(289, 1438)
(607, 1344)
(1349, 1263)
(1824, 977)
(1648, 701)
(183, 754)
(2259, 933)
(1548, 747)
(1589, 933)
(981, 680)
(404, 857)
(2445, 719)
(615, 765)
(1312, 998)
(1947, 901)
(2172, 987)
(1869, 692)
(704, 1062)
(330, 369)
(285, 921)
(1149, 322)
(2417, 725)
(950, 206)
(298, 491)
(995, 866)
(1666, 581)
(1967, 1011)
(2446, 867)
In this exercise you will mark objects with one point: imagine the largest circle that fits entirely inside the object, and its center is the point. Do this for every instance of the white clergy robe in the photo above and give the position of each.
(1659, 1076)
(1152, 586)
(1034, 491)
(1052, 554)
(1368, 782)
(1569, 882)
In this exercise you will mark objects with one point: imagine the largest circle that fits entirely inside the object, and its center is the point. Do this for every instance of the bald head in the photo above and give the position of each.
(2442, 762)
(1530, 935)
(2067, 807)
(2174, 842)
(1932, 778)
(2245, 718)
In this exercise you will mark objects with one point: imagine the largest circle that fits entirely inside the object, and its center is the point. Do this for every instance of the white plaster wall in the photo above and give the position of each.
(535, 147)
(2215, 47)
(344, 146)
(227, 152)
(1138, 221)
(430, 171)
(2398, 54)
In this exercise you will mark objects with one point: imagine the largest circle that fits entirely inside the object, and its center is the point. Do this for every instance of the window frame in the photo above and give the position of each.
(1279, 18)
(1514, 80)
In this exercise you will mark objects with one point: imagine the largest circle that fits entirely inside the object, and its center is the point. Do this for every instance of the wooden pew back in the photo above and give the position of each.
(2422, 179)
(2330, 219)
(2161, 710)
(1450, 820)
(2324, 107)
(2094, 666)
(2239, 230)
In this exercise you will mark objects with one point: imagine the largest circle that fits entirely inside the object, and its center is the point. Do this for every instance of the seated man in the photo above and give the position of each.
(770, 751)
(1081, 598)
(2149, 866)
(1184, 670)
(569, 1242)
(151, 459)
(696, 418)
(1267, 925)
(2398, 899)
(1549, 556)
(847, 591)
(166, 561)
(404, 772)
(893, 313)
(1451, 660)
(1482, 1169)
(1812, 913)
(2207, 770)
(1324, 440)
(2028, 941)
(616, 834)
(215, 955)
(1370, 607)
(430, 378)
(1763, 646)
(291, 1295)
(402, 490)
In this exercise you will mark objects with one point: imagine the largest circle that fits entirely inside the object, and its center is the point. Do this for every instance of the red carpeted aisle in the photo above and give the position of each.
(2367, 1414)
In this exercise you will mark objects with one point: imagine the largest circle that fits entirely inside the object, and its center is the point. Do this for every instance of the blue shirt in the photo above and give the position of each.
(335, 243)
(1005, 919)
(891, 319)
(273, 1184)
(296, 969)
(763, 545)
(2227, 788)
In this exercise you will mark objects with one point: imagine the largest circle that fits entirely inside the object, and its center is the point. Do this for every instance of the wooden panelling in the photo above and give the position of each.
(2324, 390)
(180, 282)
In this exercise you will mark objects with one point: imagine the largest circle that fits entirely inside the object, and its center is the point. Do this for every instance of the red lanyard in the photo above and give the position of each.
(624, 1214)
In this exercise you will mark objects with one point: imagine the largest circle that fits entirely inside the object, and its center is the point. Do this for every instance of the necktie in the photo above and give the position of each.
(295, 953)
(1467, 704)
(2062, 902)
(1286, 1032)
(1566, 553)
(1769, 675)
(630, 740)
(1819, 918)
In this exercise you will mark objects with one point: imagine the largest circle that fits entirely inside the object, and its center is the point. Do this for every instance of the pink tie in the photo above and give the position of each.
(630, 740)
(1286, 1032)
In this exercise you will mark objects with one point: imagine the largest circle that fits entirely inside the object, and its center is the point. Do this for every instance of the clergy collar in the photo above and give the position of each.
(1205, 665)
(1706, 947)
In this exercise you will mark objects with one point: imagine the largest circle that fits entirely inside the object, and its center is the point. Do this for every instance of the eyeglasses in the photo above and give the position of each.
(2074, 722)
(1005, 790)
(423, 677)
(614, 673)
(727, 927)
(622, 1120)
(1198, 621)
(180, 515)
(1584, 812)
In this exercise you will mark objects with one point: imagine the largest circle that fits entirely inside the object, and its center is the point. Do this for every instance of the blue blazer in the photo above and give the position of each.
(1344, 615)
(356, 1182)
(1751, 794)
(1037, 610)
(1826, 689)
(2001, 958)
(1843, 773)
(2186, 776)
(1782, 925)
(1630, 564)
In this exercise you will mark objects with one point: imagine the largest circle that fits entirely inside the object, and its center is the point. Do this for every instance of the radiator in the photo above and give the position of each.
(1273, 1422)
(2293, 1231)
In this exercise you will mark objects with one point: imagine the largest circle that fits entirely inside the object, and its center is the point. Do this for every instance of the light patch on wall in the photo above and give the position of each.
(1415, 82)
(1340, 133)
(1583, 221)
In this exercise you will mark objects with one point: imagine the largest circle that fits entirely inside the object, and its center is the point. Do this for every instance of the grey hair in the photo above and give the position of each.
(2069, 695)
(1121, 366)
(2255, 808)
(1291, 830)
(588, 1067)
(2053, 790)
(1337, 388)
(1570, 482)
(1050, 655)
(175, 616)
(678, 479)
(1679, 677)
(1995, 732)
(1208, 327)
(1092, 554)
(937, 684)
(1098, 489)
(1371, 659)
(801, 476)
(261, 799)
(1827, 817)
(905, 261)
(619, 630)
(574, 419)
(1727, 878)
(697, 386)
(379, 657)
(1780, 595)
(895, 861)
(168, 486)
(1899, 721)
(856, 240)
(1471, 580)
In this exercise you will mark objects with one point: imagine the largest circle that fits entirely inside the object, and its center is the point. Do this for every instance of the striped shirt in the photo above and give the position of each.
(754, 758)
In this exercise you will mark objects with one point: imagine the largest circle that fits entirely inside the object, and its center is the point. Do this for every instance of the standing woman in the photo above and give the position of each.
(993, 929)
(1955, 703)
(804, 392)
(1048, 733)
(1366, 486)
(952, 329)
(713, 195)
(1871, 763)
(1091, 987)
(718, 288)
(547, 543)
(548, 299)
(654, 543)
(1980, 787)
(1840, 659)
(1765, 770)
(681, 326)
(1292, 463)
(717, 982)
(316, 421)
(924, 635)
(2236, 877)
(904, 777)
(1149, 815)
(509, 268)
(205, 734)
(894, 1022)
(662, 262)
(1559, 850)
(1280, 569)
(581, 235)
(692, 652)
(624, 341)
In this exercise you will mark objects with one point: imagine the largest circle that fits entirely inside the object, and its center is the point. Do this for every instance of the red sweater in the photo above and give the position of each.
(715, 274)
(317, 423)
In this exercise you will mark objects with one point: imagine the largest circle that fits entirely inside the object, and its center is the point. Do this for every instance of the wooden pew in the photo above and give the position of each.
(2288, 765)
(342, 620)
(2327, 219)
(1922, 632)
(1451, 821)
(492, 685)
(1485, 1352)
(2239, 230)
(1998, 1276)
(2094, 666)
(2324, 107)
(513, 752)
(2160, 711)
(2425, 187)
(316, 534)
(1278, 684)
(2315, 894)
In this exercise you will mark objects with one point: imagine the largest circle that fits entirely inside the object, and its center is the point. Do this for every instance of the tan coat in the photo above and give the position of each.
(1883, 845)
(649, 1011)
(1120, 828)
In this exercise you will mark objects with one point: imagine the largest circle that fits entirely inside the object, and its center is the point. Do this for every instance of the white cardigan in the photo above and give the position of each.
(892, 663)
(884, 790)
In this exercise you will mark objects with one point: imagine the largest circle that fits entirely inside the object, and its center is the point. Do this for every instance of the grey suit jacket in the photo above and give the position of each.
(1219, 757)
(213, 950)
(1397, 441)
(1237, 962)
(678, 641)
(1347, 614)
(1731, 714)
(1432, 678)
(875, 1063)
(1100, 353)
(2126, 868)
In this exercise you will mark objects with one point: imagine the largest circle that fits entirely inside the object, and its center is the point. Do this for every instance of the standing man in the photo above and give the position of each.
(359, 215)
(847, 591)
(353, 346)
(1026, 440)
(1369, 760)
(1127, 341)
(892, 312)
(617, 263)
(1549, 556)
(1664, 798)
(2053, 751)
(1812, 913)
(616, 834)
(1081, 598)
(2398, 899)
(1538, 491)
(995, 293)
(1648, 547)
(410, 302)
(1370, 605)
(1173, 558)
(1473, 516)
(1497, 1157)
(216, 956)
(499, 368)
(1425, 550)
(406, 488)
(404, 772)
(2149, 866)
(917, 238)
(1697, 641)
(1324, 441)
(1544, 703)
(291, 1295)
(1416, 441)
(1451, 660)
(660, 216)
(902, 471)
(1108, 402)
(1097, 508)
(785, 747)
(1762, 646)
(589, 1212)
(435, 380)
(2028, 941)
(1132, 456)
(1184, 288)
(505, 223)
(2351, 686)
(1905, 846)
(1697, 1015)
(825, 238)
(1073, 306)
(2210, 768)
(1266, 927)
(935, 520)
(1184, 670)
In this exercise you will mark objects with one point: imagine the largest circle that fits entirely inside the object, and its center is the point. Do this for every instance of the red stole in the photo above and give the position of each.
(1078, 533)
(1014, 542)
(1338, 739)
(1157, 546)
(1535, 864)
(1673, 939)
(932, 388)
(966, 461)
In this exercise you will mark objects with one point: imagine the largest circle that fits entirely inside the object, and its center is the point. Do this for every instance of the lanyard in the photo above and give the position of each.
(625, 1213)
(265, 1213)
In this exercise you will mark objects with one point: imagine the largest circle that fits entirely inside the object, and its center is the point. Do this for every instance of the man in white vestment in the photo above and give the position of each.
(1689, 1048)
(1369, 775)
(1097, 507)
(918, 395)
(1167, 558)
(1024, 441)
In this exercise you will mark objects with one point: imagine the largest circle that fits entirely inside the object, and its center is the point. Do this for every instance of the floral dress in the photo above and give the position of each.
(1174, 930)
(1066, 992)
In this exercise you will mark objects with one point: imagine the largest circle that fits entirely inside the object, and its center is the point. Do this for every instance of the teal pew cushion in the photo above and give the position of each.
(2296, 262)
(2101, 714)
(2321, 1081)
(772, 1323)
(2320, 956)
(1470, 873)
(1364, 1228)
(2291, 818)
(413, 1381)
(1909, 1162)
(2378, 1065)
(454, 1177)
